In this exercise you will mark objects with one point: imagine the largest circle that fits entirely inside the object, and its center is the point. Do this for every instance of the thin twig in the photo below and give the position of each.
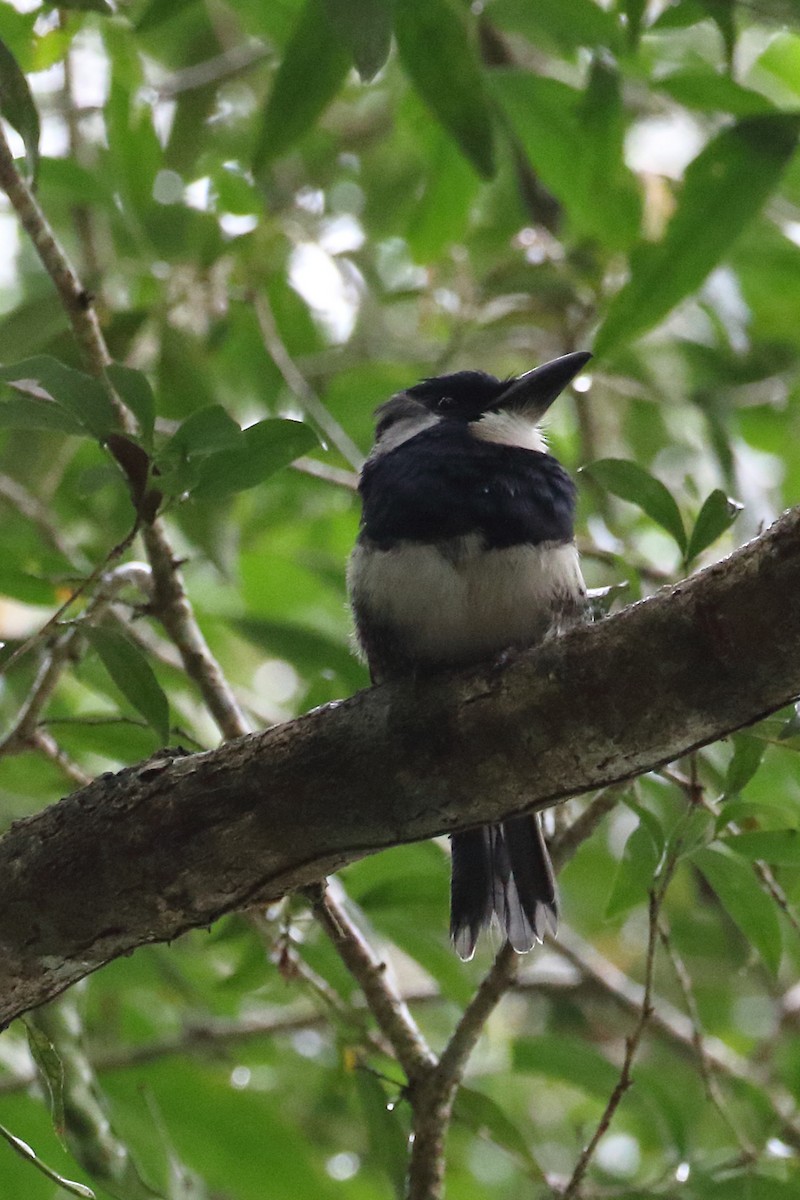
(47, 745)
(30, 507)
(588, 549)
(710, 1082)
(385, 1002)
(71, 292)
(284, 953)
(566, 843)
(52, 622)
(632, 1043)
(213, 70)
(81, 213)
(338, 476)
(677, 1028)
(24, 733)
(299, 385)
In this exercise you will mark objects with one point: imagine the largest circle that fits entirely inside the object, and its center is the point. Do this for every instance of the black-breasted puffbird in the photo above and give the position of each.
(466, 549)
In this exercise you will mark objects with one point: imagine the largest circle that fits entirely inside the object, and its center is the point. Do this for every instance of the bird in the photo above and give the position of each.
(466, 551)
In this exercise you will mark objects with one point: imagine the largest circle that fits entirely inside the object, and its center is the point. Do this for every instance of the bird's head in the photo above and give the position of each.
(495, 410)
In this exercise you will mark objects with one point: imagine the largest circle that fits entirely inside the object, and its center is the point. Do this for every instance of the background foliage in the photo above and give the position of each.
(290, 210)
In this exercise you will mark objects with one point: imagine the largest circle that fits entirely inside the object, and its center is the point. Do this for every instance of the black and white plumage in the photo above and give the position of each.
(465, 550)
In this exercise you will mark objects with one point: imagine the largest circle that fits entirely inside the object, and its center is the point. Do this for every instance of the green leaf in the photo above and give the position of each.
(791, 727)
(29, 412)
(51, 1068)
(695, 828)
(308, 650)
(25, 1151)
(607, 199)
(782, 60)
(441, 215)
(25, 587)
(484, 1115)
(634, 10)
(159, 11)
(365, 26)
(739, 811)
(98, 6)
(650, 821)
(748, 752)
(135, 392)
(633, 483)
(721, 13)
(568, 1059)
(724, 188)
(133, 675)
(206, 431)
(635, 873)
(717, 514)
(18, 108)
(312, 70)
(265, 448)
(778, 846)
(740, 895)
(83, 397)
(441, 62)
(574, 141)
(569, 26)
(708, 91)
(385, 1133)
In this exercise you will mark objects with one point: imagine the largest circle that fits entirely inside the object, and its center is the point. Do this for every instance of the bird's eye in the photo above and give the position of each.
(445, 403)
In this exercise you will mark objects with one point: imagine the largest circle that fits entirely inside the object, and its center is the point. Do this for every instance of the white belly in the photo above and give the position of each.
(459, 603)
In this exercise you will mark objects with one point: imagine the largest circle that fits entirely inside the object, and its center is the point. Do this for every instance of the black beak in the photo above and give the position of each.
(535, 391)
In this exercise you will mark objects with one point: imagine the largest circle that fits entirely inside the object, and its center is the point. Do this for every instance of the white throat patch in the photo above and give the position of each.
(509, 429)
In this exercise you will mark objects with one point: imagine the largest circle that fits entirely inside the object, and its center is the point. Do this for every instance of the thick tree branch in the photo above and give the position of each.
(175, 842)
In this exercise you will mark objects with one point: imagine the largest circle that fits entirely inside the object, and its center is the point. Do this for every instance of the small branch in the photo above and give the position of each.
(25, 733)
(773, 889)
(432, 1100)
(213, 70)
(293, 968)
(587, 549)
(72, 294)
(299, 385)
(710, 1082)
(171, 605)
(383, 999)
(319, 470)
(46, 744)
(81, 213)
(565, 844)
(631, 1046)
(501, 976)
(677, 1029)
(30, 507)
(52, 622)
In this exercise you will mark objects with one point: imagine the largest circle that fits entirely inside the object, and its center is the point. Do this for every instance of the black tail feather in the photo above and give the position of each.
(471, 888)
(502, 870)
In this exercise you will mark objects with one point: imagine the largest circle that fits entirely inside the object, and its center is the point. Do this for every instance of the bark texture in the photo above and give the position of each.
(174, 842)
